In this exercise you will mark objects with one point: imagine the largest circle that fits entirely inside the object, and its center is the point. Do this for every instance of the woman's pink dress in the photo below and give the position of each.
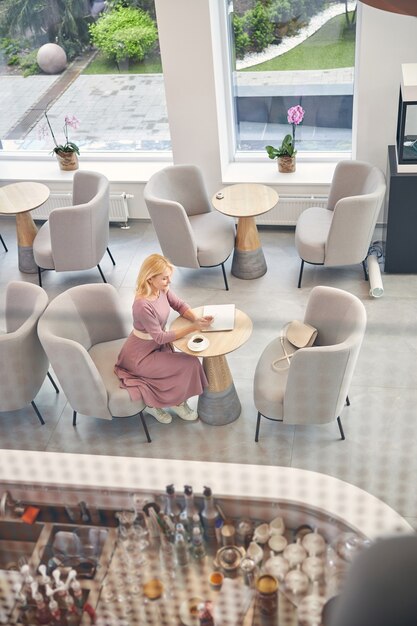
(149, 368)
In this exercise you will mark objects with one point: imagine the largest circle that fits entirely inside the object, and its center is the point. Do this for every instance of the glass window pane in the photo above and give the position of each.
(112, 83)
(287, 53)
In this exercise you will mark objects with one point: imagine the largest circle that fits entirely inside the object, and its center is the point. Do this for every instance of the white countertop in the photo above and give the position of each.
(360, 510)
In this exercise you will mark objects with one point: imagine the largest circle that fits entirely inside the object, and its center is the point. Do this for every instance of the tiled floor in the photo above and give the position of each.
(379, 453)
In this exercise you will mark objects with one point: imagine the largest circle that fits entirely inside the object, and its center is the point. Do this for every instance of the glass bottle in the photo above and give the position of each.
(172, 509)
(181, 550)
(198, 548)
(190, 509)
(42, 613)
(209, 515)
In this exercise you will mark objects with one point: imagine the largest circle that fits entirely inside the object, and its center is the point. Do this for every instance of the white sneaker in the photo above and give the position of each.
(159, 414)
(185, 412)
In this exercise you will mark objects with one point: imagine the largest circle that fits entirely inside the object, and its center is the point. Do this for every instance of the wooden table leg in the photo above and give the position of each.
(219, 403)
(248, 257)
(26, 232)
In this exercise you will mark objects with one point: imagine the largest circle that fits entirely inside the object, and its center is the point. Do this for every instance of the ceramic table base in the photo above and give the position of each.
(219, 403)
(248, 264)
(26, 232)
(26, 261)
(219, 407)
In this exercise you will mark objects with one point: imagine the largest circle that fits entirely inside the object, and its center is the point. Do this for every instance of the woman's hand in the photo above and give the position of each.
(203, 322)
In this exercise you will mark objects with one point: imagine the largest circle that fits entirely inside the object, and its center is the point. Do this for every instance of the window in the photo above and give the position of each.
(112, 83)
(293, 52)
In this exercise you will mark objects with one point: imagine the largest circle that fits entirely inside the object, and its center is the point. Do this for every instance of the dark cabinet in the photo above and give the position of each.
(400, 219)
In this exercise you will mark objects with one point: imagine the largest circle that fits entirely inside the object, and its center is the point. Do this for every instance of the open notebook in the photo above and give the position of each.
(224, 316)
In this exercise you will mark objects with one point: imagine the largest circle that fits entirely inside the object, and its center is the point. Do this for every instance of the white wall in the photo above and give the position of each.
(189, 75)
(386, 40)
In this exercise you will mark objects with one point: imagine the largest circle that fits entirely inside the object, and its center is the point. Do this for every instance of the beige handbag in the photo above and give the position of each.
(299, 335)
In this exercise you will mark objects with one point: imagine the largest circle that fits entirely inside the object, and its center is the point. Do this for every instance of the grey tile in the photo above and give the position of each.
(378, 454)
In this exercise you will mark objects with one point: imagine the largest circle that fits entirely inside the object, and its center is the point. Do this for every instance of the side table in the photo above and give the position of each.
(219, 403)
(19, 199)
(246, 201)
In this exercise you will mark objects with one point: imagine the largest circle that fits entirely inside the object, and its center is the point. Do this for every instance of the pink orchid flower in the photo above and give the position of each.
(295, 115)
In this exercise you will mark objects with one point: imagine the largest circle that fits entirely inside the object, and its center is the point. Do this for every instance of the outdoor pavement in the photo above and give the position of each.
(127, 112)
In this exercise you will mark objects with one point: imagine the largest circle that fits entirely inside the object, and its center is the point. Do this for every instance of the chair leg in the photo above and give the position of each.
(258, 424)
(301, 274)
(145, 428)
(4, 245)
(101, 274)
(74, 418)
(35, 408)
(39, 276)
(339, 423)
(347, 401)
(111, 256)
(53, 382)
(225, 277)
(365, 271)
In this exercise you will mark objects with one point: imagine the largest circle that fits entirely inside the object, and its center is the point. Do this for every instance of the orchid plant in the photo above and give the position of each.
(70, 121)
(295, 116)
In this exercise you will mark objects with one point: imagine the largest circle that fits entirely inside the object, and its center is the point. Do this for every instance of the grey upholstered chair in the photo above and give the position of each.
(3, 243)
(82, 332)
(76, 237)
(190, 233)
(341, 233)
(315, 386)
(23, 362)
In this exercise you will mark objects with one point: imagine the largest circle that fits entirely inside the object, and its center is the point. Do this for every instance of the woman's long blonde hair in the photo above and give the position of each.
(152, 266)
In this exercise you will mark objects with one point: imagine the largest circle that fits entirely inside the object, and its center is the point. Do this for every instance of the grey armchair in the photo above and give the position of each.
(23, 362)
(82, 332)
(315, 386)
(76, 237)
(190, 233)
(341, 233)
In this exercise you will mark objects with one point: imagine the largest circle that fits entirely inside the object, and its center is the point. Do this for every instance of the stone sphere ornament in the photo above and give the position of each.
(51, 58)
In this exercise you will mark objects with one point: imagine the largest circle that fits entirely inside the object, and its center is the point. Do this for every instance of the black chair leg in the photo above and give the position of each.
(347, 401)
(339, 423)
(39, 276)
(365, 271)
(111, 256)
(301, 274)
(145, 428)
(35, 408)
(53, 382)
(74, 418)
(258, 424)
(4, 245)
(101, 273)
(225, 277)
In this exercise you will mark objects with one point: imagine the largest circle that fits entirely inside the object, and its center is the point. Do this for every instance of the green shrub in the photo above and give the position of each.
(28, 64)
(124, 33)
(259, 27)
(242, 41)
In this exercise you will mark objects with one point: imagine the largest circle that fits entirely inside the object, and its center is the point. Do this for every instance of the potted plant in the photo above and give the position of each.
(286, 152)
(67, 152)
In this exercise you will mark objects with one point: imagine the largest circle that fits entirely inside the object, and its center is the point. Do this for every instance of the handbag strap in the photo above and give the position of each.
(287, 355)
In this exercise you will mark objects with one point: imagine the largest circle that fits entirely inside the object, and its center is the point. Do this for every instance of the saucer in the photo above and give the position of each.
(197, 343)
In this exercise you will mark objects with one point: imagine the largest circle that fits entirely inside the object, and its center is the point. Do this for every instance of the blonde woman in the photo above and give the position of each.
(147, 365)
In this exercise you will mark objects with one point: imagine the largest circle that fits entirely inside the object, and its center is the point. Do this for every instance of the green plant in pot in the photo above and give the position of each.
(286, 152)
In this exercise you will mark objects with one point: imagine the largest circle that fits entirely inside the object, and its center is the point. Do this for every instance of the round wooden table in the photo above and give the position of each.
(19, 199)
(246, 201)
(219, 403)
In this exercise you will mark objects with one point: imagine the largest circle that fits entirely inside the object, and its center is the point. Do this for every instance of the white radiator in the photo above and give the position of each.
(288, 210)
(119, 209)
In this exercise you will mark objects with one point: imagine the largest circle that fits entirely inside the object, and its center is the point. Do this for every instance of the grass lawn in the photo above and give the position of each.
(101, 65)
(333, 45)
